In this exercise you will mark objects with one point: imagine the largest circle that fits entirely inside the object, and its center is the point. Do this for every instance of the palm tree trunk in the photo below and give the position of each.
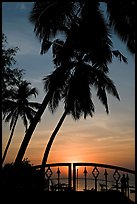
(9, 141)
(31, 129)
(46, 153)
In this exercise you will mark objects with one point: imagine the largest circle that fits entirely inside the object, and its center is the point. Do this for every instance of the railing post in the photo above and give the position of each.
(85, 173)
(106, 174)
(69, 176)
(77, 179)
(58, 172)
(74, 177)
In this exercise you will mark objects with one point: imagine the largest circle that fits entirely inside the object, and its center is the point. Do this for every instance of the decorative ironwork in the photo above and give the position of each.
(58, 172)
(48, 172)
(95, 173)
(85, 173)
(116, 176)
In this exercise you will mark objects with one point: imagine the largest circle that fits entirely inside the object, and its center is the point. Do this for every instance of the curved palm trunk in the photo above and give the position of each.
(9, 141)
(46, 153)
(31, 129)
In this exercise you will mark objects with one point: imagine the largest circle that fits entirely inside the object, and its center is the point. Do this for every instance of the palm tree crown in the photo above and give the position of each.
(77, 94)
(122, 20)
(53, 17)
(17, 105)
(73, 84)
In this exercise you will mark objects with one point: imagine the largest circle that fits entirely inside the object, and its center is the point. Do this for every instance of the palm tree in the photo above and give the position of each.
(122, 20)
(78, 96)
(54, 86)
(61, 61)
(50, 17)
(18, 105)
(55, 89)
(71, 19)
(68, 17)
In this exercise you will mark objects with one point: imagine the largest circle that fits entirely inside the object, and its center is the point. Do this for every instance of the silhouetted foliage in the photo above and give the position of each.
(53, 17)
(15, 92)
(86, 36)
(74, 85)
(23, 178)
(10, 74)
(122, 20)
(18, 105)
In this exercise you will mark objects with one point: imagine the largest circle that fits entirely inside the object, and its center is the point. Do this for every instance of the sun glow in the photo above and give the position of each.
(73, 160)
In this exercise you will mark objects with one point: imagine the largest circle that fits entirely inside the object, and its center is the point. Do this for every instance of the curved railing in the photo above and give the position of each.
(107, 177)
(117, 171)
(49, 173)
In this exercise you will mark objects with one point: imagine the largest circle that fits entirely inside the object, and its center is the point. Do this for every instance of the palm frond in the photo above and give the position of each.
(110, 87)
(54, 101)
(56, 82)
(50, 17)
(103, 97)
(18, 102)
(33, 91)
(24, 119)
(102, 80)
(121, 57)
(30, 113)
(77, 97)
(34, 105)
(122, 20)
(46, 44)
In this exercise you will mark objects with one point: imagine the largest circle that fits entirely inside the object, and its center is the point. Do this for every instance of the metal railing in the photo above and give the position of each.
(89, 172)
(116, 173)
(49, 176)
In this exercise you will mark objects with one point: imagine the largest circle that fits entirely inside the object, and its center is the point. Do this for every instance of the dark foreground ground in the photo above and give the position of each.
(111, 197)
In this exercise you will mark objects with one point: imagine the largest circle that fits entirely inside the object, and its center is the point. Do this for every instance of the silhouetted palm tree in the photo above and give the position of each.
(70, 18)
(122, 19)
(18, 105)
(55, 89)
(82, 24)
(78, 96)
(52, 17)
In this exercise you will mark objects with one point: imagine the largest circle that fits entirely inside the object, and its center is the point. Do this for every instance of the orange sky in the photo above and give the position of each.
(96, 139)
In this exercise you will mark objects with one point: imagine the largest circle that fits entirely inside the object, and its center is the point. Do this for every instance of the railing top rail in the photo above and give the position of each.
(105, 166)
(88, 164)
(53, 164)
